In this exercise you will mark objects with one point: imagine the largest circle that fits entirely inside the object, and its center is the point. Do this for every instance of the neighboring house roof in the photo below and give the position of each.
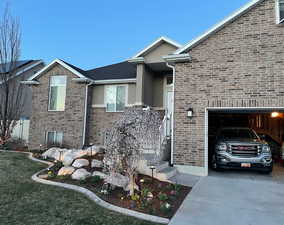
(218, 26)
(119, 71)
(155, 44)
(5, 68)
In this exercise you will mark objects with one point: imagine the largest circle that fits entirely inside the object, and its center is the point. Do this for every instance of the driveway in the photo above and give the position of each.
(235, 198)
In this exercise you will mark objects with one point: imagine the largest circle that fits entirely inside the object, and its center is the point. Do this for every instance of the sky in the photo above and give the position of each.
(93, 33)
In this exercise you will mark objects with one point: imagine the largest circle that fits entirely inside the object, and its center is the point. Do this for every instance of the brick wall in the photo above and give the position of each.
(242, 65)
(70, 122)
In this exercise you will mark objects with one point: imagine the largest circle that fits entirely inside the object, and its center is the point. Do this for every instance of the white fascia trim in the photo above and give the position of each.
(62, 64)
(161, 39)
(219, 26)
(177, 58)
(115, 81)
(83, 80)
(136, 60)
(30, 82)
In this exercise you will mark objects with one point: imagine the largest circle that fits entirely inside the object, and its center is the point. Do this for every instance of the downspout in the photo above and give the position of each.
(172, 121)
(86, 113)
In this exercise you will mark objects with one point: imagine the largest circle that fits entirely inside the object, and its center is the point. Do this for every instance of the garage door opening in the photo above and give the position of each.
(268, 124)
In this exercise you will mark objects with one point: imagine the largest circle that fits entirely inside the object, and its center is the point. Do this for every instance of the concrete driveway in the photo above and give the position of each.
(235, 198)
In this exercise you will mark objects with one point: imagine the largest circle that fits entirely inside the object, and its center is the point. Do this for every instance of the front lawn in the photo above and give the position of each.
(22, 201)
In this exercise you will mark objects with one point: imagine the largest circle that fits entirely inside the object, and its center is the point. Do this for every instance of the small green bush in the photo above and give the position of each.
(94, 179)
(162, 197)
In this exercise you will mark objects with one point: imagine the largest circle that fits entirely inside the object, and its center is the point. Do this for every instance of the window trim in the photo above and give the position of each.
(105, 95)
(49, 94)
(55, 132)
(277, 8)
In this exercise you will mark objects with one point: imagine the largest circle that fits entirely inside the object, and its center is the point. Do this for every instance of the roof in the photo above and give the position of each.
(123, 70)
(155, 44)
(5, 68)
(118, 71)
(219, 26)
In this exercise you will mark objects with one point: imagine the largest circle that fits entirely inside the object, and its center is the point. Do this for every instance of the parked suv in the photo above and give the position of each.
(237, 147)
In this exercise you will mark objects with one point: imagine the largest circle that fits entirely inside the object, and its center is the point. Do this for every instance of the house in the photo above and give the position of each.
(232, 74)
(23, 70)
(73, 107)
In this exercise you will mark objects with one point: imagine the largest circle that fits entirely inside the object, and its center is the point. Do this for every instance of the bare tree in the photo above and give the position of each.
(11, 91)
(128, 136)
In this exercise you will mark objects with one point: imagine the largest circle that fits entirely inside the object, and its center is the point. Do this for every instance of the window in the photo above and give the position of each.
(57, 93)
(54, 138)
(115, 98)
(280, 11)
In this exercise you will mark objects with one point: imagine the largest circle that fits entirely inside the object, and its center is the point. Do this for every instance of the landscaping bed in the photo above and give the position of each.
(155, 197)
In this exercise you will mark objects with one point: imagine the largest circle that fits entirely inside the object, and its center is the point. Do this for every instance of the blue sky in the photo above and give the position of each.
(92, 33)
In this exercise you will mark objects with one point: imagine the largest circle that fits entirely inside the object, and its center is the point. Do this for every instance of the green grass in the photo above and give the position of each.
(24, 202)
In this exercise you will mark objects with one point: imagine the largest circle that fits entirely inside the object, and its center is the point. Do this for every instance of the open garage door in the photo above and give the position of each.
(267, 123)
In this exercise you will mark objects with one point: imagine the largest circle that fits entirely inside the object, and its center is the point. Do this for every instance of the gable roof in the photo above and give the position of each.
(118, 71)
(156, 44)
(219, 26)
(5, 68)
(69, 67)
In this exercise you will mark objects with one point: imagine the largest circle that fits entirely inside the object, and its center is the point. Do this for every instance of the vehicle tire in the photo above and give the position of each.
(268, 170)
(214, 164)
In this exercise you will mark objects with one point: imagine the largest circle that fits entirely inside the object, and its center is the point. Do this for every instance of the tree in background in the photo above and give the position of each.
(11, 91)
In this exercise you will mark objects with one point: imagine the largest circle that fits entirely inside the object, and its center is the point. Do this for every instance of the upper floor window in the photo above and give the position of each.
(115, 98)
(280, 11)
(57, 93)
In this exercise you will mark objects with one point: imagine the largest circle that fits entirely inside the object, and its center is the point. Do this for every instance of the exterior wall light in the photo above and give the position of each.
(189, 112)
(275, 114)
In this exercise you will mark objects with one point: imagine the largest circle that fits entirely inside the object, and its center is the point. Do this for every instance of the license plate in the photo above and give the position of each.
(246, 165)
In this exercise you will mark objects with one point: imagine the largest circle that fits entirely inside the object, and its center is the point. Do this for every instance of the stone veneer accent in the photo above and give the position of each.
(242, 65)
(70, 122)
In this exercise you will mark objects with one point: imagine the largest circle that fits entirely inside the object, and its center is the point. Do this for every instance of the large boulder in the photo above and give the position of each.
(78, 163)
(99, 174)
(118, 180)
(95, 149)
(96, 164)
(65, 155)
(65, 171)
(53, 153)
(80, 174)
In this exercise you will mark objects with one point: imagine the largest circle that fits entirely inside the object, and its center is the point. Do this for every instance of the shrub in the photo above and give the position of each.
(165, 208)
(94, 179)
(162, 196)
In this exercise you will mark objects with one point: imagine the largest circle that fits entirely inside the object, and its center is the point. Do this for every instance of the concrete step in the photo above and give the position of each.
(159, 166)
(167, 173)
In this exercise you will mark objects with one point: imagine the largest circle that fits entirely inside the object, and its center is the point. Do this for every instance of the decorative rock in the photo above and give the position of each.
(80, 174)
(67, 155)
(95, 149)
(117, 180)
(80, 163)
(97, 163)
(67, 170)
(99, 174)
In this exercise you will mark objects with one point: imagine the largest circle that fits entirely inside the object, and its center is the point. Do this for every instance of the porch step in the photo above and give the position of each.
(166, 173)
(159, 166)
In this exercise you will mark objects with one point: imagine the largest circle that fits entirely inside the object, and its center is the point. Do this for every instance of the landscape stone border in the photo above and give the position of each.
(91, 195)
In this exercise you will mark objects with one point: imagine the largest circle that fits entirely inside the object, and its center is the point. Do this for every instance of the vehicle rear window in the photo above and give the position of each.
(237, 133)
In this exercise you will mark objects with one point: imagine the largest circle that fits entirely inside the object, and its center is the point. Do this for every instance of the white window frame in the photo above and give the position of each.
(115, 85)
(55, 132)
(278, 20)
(49, 94)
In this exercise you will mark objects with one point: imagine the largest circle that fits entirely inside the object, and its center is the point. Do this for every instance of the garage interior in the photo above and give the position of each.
(268, 124)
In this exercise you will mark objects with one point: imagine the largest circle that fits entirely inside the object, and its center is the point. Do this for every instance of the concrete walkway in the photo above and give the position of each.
(235, 199)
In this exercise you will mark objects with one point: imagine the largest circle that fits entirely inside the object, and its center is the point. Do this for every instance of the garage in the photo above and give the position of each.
(266, 123)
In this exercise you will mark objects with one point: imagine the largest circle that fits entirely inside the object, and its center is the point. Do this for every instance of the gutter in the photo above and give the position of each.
(172, 120)
(86, 114)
